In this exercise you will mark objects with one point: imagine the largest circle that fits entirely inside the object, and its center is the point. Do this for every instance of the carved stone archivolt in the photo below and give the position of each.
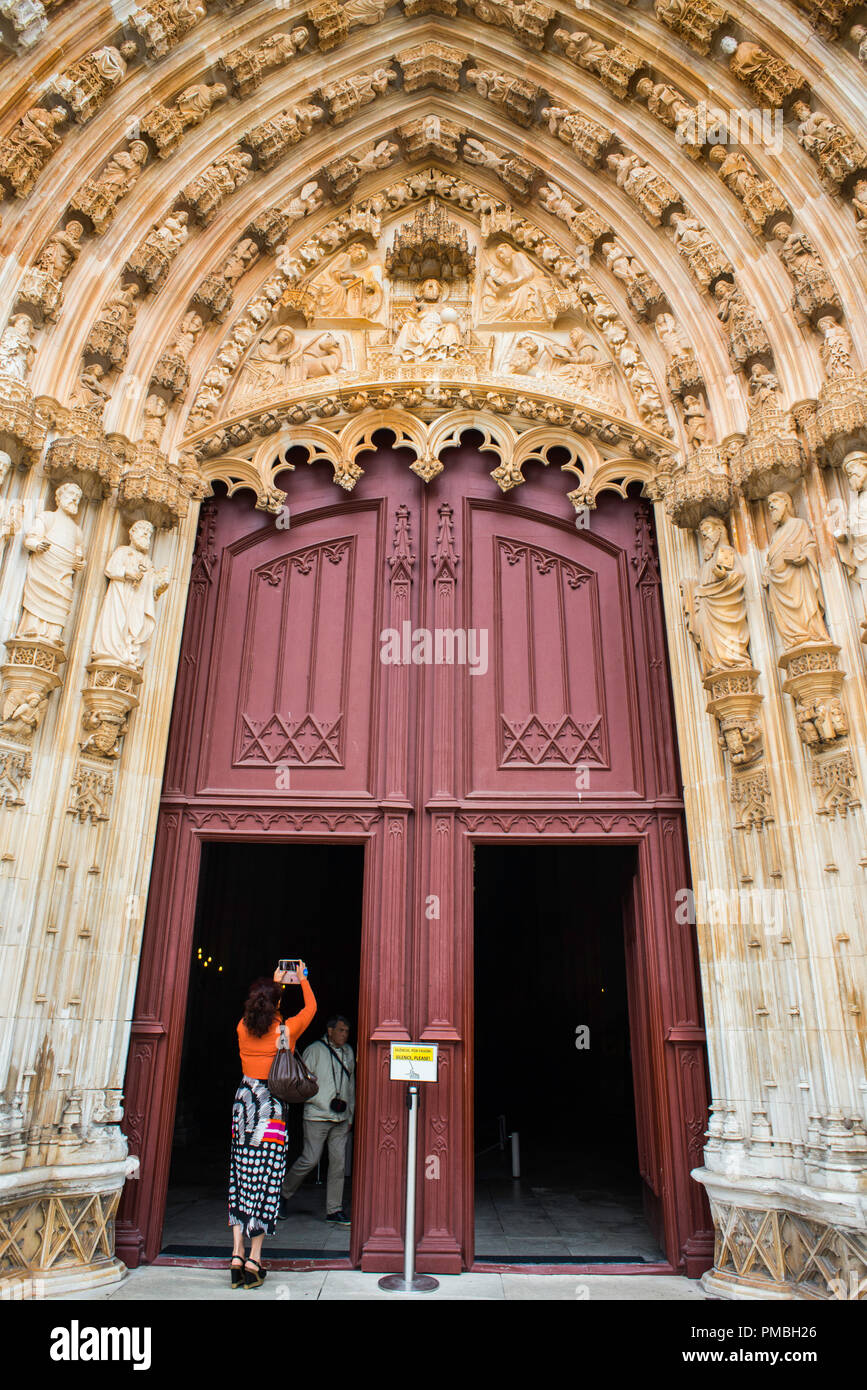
(594, 353)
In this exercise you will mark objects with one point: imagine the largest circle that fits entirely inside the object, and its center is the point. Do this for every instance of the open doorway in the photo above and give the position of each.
(256, 903)
(550, 961)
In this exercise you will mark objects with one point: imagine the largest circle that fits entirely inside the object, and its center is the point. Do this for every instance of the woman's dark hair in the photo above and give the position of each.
(261, 1006)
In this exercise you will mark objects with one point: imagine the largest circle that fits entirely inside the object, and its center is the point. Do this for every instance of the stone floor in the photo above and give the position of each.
(555, 1212)
(157, 1282)
(599, 1218)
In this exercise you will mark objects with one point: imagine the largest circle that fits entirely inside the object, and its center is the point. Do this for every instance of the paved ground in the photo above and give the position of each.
(159, 1282)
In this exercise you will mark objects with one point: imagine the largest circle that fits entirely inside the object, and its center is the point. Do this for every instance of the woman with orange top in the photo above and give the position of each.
(258, 1160)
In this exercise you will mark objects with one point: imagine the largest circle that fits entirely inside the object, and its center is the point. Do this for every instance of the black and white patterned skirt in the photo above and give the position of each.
(258, 1159)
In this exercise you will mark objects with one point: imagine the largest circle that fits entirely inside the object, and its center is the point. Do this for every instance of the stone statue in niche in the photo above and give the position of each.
(91, 393)
(696, 423)
(56, 546)
(513, 289)
(22, 713)
(836, 349)
(87, 84)
(350, 287)
(791, 576)
(28, 146)
(714, 603)
(431, 330)
(671, 335)
(16, 347)
(127, 617)
(850, 534)
(747, 337)
(98, 197)
(60, 252)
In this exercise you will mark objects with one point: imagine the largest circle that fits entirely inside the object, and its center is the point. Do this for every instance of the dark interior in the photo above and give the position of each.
(257, 903)
(550, 958)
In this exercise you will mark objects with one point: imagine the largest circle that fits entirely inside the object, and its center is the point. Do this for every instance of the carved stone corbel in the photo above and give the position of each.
(734, 701)
(772, 455)
(814, 680)
(699, 487)
(109, 698)
(22, 425)
(153, 488)
(82, 454)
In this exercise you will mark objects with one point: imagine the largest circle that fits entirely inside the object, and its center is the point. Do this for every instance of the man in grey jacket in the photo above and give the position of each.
(328, 1116)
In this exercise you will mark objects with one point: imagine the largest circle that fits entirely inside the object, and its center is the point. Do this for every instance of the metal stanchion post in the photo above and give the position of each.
(409, 1281)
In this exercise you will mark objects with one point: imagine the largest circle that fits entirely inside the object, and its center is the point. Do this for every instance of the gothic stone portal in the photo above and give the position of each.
(288, 724)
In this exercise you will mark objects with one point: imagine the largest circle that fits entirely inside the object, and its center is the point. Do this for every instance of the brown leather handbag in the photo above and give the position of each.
(289, 1079)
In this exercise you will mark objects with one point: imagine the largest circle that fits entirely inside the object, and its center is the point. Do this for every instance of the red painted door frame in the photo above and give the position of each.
(435, 785)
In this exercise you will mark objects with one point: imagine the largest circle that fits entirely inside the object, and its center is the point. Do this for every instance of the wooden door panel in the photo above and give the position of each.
(294, 668)
(559, 687)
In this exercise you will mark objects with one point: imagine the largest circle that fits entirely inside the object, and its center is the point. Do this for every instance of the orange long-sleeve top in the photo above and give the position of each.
(257, 1054)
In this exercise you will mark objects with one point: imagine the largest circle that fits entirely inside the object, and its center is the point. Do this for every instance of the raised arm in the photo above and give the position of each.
(299, 1022)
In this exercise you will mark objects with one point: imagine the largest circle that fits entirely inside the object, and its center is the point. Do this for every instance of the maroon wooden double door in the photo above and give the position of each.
(421, 668)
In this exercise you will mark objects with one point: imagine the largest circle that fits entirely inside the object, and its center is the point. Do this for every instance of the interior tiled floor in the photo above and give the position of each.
(561, 1209)
(197, 1222)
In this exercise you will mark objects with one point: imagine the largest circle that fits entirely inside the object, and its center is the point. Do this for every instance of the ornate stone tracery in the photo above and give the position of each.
(623, 311)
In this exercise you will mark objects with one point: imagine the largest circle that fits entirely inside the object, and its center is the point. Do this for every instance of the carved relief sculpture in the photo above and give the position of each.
(814, 293)
(705, 258)
(166, 125)
(246, 67)
(654, 195)
(850, 534)
(152, 258)
(163, 23)
(272, 139)
(27, 147)
(838, 155)
(587, 138)
(98, 198)
(746, 334)
(87, 84)
(350, 287)
(16, 348)
(672, 110)
(761, 199)
(772, 82)
(344, 99)
(696, 21)
(528, 20)
(109, 336)
(643, 293)
(207, 192)
(615, 66)
(172, 369)
(516, 97)
(714, 604)
(431, 330)
(715, 610)
(513, 290)
(41, 286)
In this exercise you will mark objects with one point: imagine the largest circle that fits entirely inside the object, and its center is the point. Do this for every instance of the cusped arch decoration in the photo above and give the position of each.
(341, 447)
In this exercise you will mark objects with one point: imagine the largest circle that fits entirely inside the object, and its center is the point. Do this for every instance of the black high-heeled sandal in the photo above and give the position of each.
(237, 1272)
(253, 1281)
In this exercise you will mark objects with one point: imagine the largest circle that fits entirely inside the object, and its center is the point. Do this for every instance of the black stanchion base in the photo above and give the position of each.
(421, 1283)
